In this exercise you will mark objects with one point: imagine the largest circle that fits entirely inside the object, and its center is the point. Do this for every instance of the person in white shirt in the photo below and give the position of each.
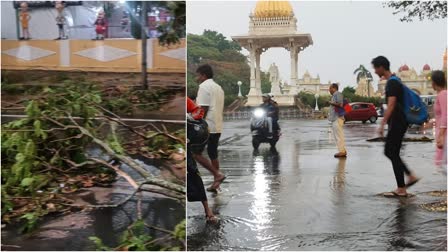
(211, 99)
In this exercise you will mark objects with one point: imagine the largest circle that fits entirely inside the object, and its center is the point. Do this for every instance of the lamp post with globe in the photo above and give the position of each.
(239, 83)
(317, 97)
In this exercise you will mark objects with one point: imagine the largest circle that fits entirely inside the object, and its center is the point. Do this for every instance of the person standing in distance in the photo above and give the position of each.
(336, 117)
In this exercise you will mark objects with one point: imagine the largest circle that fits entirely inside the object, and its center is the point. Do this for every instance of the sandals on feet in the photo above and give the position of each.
(412, 182)
(214, 187)
(394, 194)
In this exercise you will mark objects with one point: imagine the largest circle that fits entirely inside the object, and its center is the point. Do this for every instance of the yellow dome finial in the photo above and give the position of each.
(272, 8)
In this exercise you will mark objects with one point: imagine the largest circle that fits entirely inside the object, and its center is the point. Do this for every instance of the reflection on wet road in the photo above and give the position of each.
(301, 198)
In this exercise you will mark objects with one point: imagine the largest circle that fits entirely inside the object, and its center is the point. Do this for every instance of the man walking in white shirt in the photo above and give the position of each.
(211, 99)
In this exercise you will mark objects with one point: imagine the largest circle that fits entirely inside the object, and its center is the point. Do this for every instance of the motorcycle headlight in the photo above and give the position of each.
(259, 112)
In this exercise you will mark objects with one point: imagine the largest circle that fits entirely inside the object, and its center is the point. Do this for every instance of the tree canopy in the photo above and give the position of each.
(418, 9)
(172, 31)
(228, 63)
(362, 72)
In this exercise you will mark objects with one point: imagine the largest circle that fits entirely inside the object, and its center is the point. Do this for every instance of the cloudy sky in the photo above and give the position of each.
(345, 34)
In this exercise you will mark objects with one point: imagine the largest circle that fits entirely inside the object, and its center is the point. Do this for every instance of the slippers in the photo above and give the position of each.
(412, 183)
(219, 182)
(394, 194)
(214, 190)
(340, 155)
(221, 179)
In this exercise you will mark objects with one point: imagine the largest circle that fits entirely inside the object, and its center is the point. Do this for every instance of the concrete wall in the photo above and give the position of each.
(114, 55)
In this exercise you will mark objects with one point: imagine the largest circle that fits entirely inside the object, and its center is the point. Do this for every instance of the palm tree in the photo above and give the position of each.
(362, 72)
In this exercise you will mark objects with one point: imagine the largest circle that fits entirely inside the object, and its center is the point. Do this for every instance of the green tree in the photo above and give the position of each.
(349, 94)
(362, 72)
(228, 63)
(172, 31)
(310, 100)
(418, 9)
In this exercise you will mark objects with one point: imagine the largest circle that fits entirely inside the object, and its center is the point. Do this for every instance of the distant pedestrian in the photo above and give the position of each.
(397, 125)
(336, 117)
(439, 85)
(211, 99)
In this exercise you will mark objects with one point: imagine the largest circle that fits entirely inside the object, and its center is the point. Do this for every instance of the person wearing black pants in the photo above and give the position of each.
(392, 148)
(397, 126)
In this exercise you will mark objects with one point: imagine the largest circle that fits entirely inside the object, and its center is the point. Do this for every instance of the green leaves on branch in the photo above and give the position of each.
(229, 64)
(136, 238)
(33, 149)
(420, 10)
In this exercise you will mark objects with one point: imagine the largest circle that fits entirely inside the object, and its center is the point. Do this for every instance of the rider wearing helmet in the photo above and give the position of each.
(271, 108)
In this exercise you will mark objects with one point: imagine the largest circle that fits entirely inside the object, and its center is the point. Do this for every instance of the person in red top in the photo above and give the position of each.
(195, 185)
(196, 111)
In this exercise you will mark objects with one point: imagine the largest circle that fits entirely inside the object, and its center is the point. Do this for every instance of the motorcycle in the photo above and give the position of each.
(260, 129)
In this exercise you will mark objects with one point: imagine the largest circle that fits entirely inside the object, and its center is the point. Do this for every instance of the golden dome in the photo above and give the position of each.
(273, 8)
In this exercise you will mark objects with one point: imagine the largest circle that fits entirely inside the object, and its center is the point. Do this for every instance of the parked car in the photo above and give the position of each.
(361, 111)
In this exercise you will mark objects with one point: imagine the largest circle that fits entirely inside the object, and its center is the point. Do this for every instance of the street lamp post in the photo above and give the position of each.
(239, 83)
(368, 86)
(317, 97)
(143, 20)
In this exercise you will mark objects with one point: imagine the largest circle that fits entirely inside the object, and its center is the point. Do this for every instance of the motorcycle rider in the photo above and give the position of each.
(271, 108)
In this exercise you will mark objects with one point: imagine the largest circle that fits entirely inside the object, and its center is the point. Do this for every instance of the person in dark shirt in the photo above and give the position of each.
(397, 126)
(271, 112)
(195, 185)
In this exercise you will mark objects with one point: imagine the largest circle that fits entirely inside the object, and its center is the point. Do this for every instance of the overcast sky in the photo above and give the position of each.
(345, 35)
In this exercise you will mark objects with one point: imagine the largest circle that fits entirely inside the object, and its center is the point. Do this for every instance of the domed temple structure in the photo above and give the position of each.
(419, 82)
(273, 24)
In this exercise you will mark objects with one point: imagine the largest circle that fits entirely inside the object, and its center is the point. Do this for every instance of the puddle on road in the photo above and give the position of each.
(301, 198)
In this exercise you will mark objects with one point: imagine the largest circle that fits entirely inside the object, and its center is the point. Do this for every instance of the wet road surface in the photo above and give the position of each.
(301, 198)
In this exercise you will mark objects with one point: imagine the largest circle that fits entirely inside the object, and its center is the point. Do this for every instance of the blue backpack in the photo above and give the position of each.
(414, 108)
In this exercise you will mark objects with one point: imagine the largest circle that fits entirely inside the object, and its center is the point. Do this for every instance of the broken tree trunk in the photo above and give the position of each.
(149, 179)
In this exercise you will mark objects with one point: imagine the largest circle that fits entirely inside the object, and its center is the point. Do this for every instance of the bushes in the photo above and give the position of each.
(349, 94)
(310, 100)
(228, 63)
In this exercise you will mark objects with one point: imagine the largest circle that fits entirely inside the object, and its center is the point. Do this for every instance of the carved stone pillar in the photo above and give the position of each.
(253, 85)
(258, 52)
(294, 60)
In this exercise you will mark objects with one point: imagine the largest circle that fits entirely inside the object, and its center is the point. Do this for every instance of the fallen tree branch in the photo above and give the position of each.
(159, 132)
(170, 195)
(149, 179)
(159, 229)
(128, 178)
(138, 189)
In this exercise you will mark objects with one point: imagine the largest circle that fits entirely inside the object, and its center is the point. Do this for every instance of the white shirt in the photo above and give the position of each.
(211, 95)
